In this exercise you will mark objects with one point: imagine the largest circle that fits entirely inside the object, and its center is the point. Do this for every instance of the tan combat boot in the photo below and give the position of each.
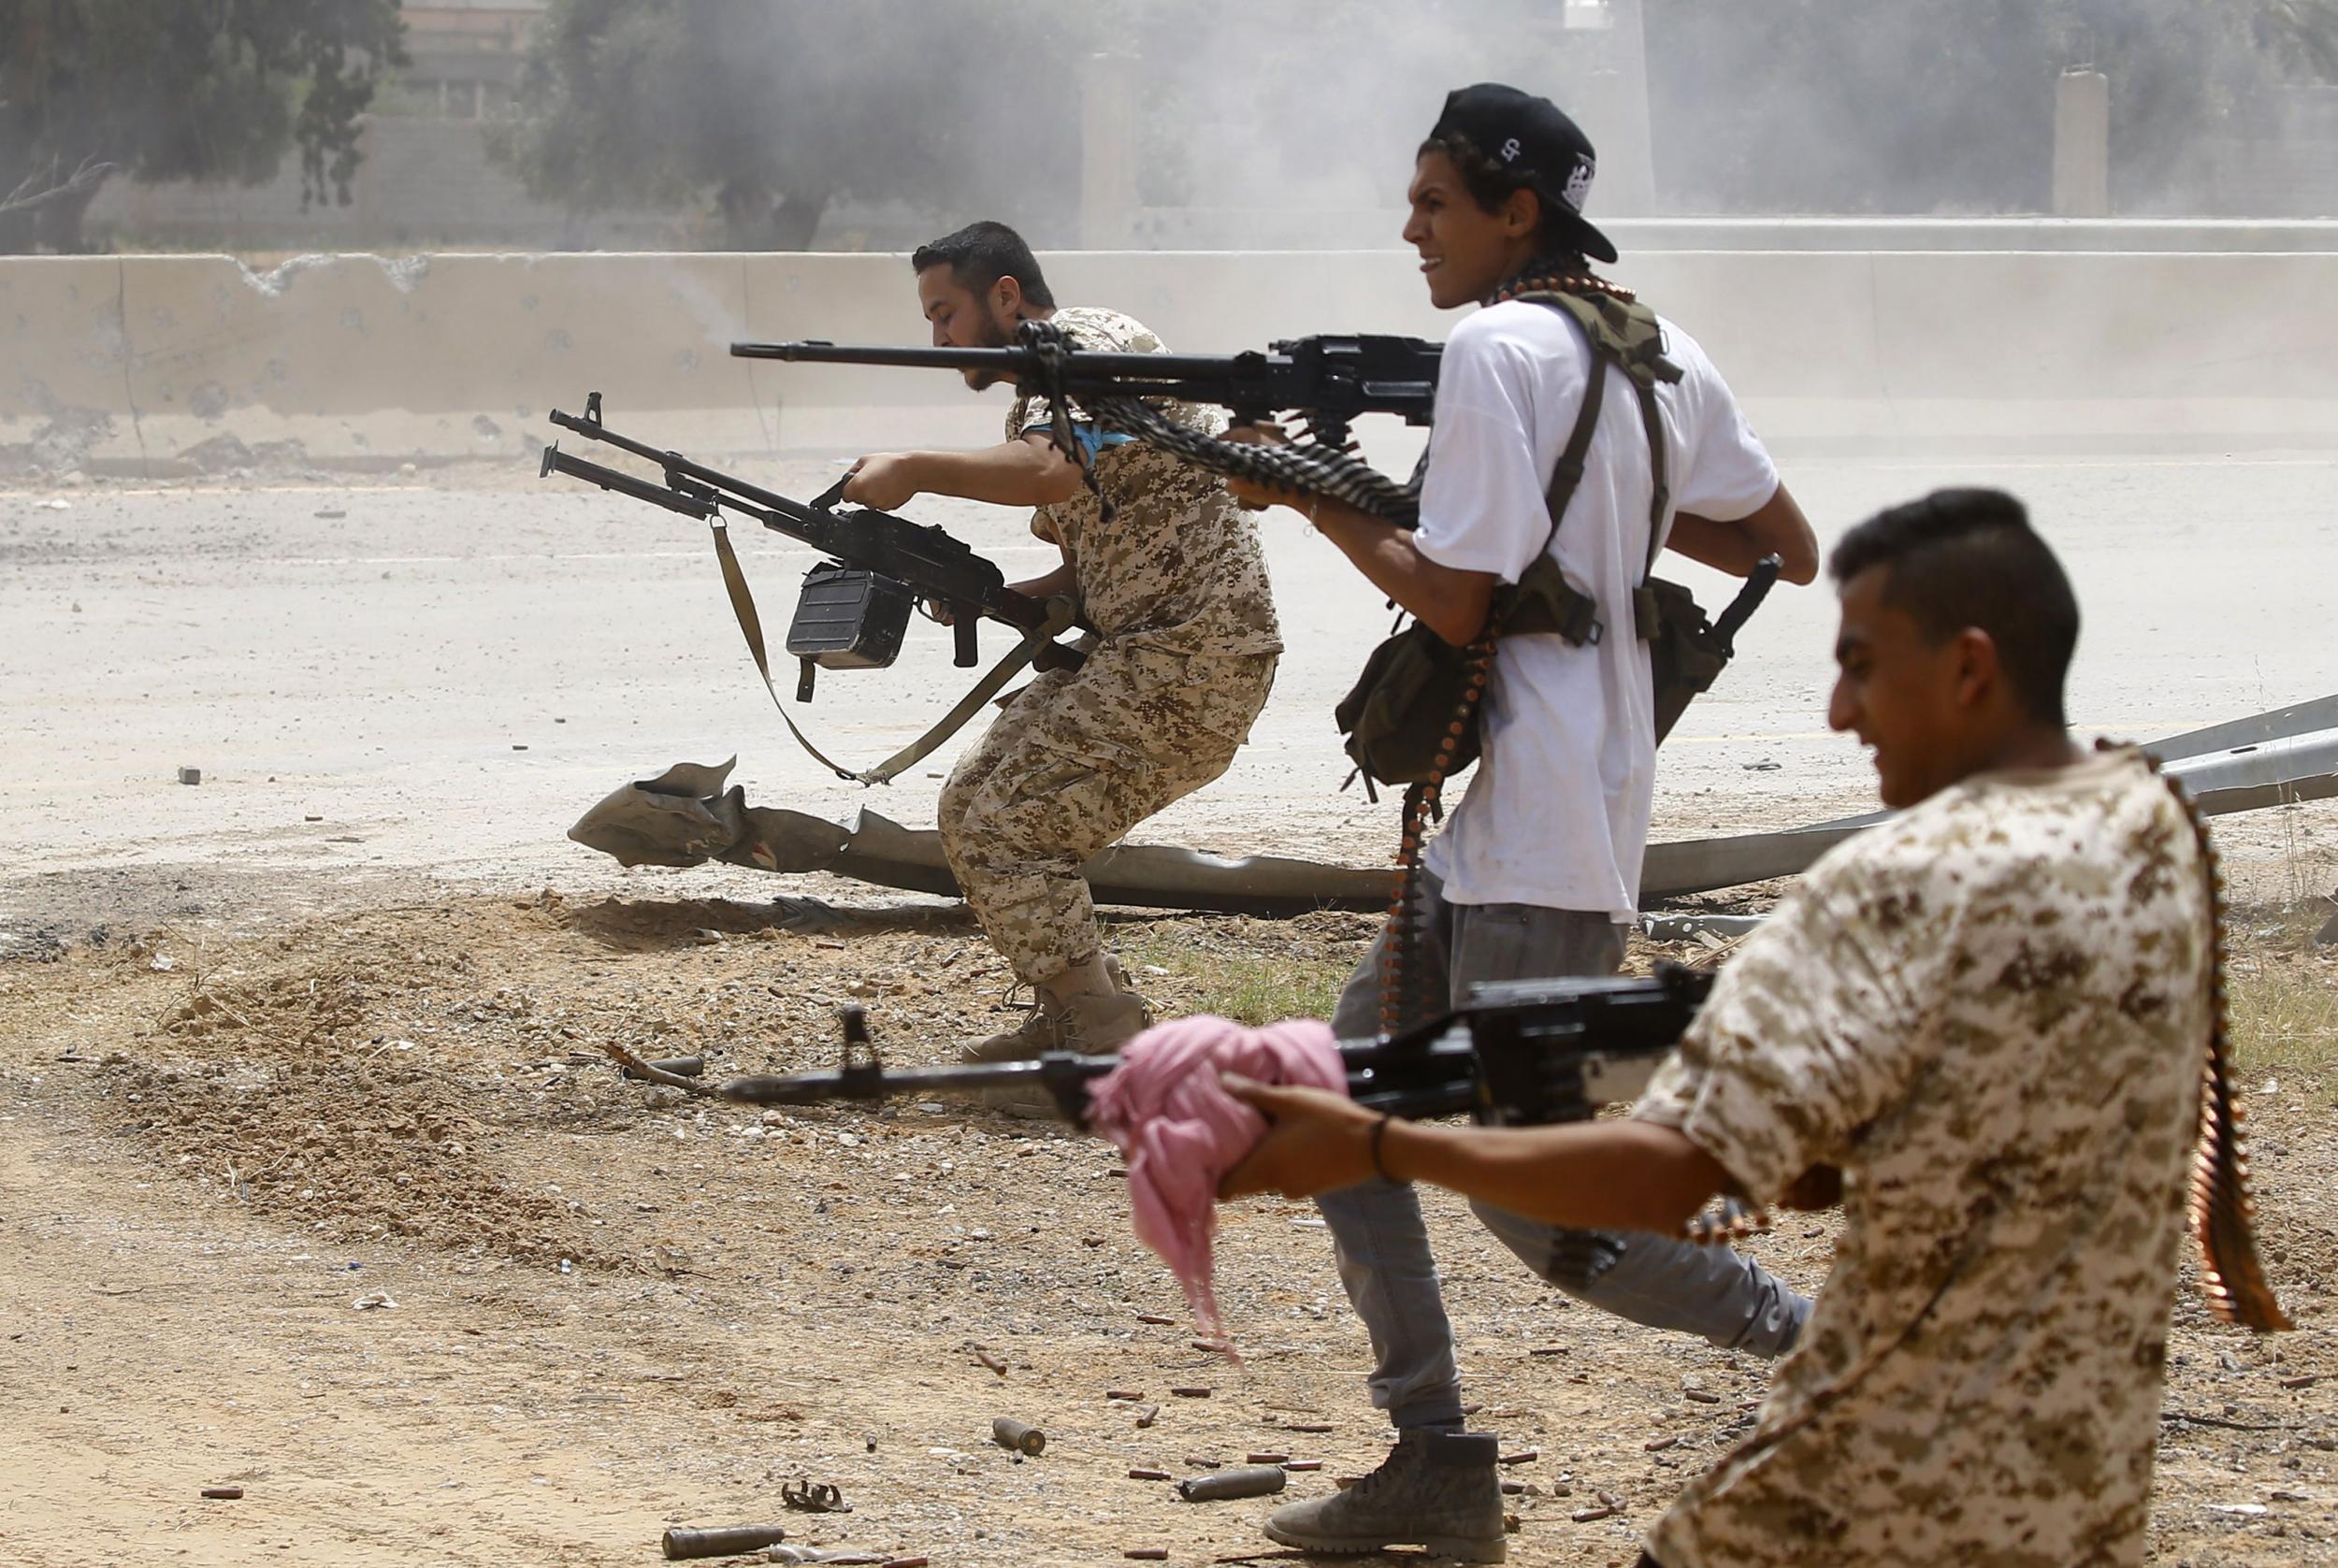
(1038, 1033)
(1089, 1023)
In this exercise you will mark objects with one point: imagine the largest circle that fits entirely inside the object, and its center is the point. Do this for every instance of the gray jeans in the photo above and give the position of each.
(1384, 1246)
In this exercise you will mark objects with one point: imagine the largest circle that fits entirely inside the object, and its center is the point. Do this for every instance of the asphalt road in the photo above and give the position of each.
(436, 676)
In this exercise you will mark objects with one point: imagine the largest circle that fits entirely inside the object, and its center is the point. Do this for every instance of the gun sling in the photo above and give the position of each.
(1059, 619)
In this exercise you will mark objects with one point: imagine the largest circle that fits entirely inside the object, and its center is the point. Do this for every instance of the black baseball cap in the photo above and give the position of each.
(1533, 138)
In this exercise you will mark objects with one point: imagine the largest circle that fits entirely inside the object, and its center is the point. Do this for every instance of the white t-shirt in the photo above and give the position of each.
(1557, 814)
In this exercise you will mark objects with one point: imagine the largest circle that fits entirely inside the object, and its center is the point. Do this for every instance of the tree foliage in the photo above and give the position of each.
(764, 112)
(204, 90)
(1928, 106)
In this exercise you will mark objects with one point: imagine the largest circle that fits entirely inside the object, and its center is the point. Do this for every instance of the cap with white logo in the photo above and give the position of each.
(1532, 137)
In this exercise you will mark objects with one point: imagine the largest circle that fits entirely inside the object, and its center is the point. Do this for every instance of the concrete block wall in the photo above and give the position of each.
(158, 365)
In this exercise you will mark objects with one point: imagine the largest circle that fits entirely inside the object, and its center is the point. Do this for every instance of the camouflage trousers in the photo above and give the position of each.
(1078, 758)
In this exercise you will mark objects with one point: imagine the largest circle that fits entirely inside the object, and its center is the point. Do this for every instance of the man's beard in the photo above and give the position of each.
(991, 337)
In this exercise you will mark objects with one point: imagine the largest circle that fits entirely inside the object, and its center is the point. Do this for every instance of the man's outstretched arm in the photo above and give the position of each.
(1602, 1175)
(1030, 472)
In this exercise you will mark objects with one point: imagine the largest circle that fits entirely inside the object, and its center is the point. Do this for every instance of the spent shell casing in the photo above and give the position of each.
(681, 1067)
(1243, 1480)
(728, 1540)
(1007, 1432)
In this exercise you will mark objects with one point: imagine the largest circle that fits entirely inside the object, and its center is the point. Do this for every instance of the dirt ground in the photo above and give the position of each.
(616, 1310)
(314, 1182)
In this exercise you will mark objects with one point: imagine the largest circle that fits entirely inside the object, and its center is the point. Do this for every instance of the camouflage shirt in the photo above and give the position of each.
(1990, 1013)
(1178, 566)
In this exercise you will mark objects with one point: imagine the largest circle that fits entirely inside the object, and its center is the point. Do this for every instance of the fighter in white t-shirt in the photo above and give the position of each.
(1541, 863)
(1557, 814)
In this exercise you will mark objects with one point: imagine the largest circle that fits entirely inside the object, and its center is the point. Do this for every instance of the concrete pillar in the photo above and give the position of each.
(1626, 183)
(2082, 144)
(1107, 151)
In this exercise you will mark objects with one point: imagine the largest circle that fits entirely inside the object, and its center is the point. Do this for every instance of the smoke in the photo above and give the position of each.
(1303, 115)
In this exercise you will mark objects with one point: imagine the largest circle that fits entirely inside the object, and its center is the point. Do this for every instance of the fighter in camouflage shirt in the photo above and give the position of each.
(1985, 1021)
(1166, 569)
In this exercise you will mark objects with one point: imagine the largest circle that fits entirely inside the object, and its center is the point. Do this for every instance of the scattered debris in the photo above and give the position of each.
(224, 1494)
(728, 1540)
(1142, 1474)
(1247, 1480)
(813, 1497)
(373, 1301)
(987, 1358)
(190, 775)
(680, 1067)
(1010, 1433)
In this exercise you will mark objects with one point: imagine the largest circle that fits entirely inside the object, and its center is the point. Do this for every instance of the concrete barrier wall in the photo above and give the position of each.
(166, 364)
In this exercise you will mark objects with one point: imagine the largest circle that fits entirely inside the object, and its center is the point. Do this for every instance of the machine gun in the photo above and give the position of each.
(855, 606)
(1330, 380)
(1522, 1053)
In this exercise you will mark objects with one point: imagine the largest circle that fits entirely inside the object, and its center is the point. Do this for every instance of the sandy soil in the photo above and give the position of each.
(324, 1030)
(616, 1311)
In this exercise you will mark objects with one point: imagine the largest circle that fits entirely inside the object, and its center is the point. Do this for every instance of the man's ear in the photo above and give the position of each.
(1976, 667)
(1006, 301)
(1522, 213)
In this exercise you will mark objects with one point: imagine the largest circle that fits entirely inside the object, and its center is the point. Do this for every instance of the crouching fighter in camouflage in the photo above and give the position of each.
(1166, 569)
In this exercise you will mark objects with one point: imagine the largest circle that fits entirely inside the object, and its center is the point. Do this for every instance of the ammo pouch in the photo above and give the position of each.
(1685, 654)
(1413, 686)
(1414, 689)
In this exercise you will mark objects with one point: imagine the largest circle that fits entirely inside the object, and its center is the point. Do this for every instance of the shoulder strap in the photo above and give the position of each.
(1570, 472)
(1627, 335)
(1059, 618)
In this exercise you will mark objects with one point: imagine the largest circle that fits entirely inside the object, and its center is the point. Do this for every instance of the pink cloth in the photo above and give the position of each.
(1180, 1131)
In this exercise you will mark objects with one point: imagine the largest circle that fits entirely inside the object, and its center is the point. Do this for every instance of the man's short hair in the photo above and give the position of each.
(979, 254)
(1490, 185)
(1960, 558)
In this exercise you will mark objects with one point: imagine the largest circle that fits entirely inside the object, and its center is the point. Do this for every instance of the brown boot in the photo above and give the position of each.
(1038, 1033)
(1093, 1024)
(1026, 1042)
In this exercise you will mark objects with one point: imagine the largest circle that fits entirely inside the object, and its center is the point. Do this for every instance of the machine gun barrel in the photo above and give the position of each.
(1101, 365)
(1328, 380)
(926, 559)
(1523, 1053)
